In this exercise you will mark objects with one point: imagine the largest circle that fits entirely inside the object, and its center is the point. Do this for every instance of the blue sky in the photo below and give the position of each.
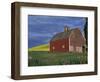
(42, 28)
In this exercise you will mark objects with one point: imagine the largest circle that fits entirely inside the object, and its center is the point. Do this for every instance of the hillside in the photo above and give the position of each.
(44, 47)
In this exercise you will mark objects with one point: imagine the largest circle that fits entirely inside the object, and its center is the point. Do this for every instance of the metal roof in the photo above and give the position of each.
(62, 35)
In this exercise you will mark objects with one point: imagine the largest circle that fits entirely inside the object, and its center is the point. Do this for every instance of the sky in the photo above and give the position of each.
(42, 28)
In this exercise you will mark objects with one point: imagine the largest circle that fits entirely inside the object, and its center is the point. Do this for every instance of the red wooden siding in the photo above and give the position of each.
(61, 45)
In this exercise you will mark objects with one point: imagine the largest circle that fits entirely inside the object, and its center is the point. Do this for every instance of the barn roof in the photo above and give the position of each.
(62, 35)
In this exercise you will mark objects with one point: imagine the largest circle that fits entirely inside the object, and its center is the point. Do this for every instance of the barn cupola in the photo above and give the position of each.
(66, 29)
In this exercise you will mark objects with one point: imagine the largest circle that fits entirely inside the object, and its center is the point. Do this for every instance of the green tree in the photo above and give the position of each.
(86, 30)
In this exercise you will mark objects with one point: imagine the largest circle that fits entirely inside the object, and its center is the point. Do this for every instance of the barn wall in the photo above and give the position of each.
(61, 45)
(76, 38)
(76, 41)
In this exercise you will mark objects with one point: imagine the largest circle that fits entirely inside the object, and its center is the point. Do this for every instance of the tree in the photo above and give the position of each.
(86, 30)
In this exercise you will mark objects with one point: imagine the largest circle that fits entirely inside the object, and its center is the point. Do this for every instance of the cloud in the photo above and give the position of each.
(58, 20)
(36, 35)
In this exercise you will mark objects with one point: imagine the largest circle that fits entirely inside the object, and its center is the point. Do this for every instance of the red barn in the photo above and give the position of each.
(71, 40)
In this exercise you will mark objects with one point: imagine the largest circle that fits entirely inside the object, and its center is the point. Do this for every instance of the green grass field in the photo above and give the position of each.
(45, 58)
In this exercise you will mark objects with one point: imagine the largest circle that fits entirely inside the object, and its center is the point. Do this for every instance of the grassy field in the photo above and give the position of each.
(45, 58)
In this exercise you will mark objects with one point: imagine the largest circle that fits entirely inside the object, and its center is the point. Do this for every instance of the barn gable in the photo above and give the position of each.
(76, 40)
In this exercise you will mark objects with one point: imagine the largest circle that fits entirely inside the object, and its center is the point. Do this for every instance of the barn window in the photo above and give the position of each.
(53, 47)
(79, 49)
(63, 46)
(71, 48)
